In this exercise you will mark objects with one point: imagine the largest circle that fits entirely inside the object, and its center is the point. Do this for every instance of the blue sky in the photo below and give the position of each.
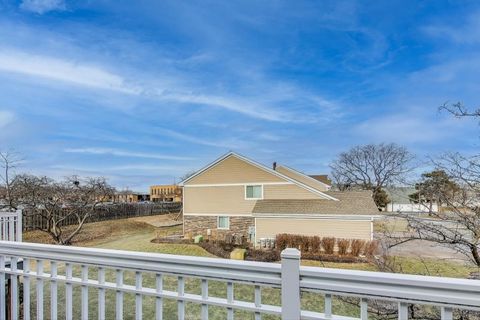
(144, 93)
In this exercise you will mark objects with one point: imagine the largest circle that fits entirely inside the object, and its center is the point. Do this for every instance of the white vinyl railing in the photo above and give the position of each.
(11, 226)
(78, 283)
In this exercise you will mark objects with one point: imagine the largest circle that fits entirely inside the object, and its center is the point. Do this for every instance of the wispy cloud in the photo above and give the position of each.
(145, 168)
(6, 117)
(97, 77)
(43, 6)
(468, 32)
(124, 153)
(228, 144)
(248, 108)
(414, 130)
(63, 70)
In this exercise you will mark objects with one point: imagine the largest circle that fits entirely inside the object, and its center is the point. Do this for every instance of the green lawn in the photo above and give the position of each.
(134, 235)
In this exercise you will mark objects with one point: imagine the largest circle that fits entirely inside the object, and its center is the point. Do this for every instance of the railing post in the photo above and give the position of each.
(19, 225)
(290, 284)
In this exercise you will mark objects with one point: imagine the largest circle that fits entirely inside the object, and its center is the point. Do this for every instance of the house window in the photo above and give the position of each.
(223, 223)
(253, 192)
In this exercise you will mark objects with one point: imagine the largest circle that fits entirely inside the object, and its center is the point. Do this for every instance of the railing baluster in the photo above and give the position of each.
(328, 306)
(68, 292)
(26, 289)
(119, 296)
(14, 289)
(53, 290)
(402, 311)
(39, 289)
(447, 313)
(204, 298)
(4, 228)
(11, 229)
(363, 309)
(2, 285)
(101, 294)
(84, 292)
(230, 299)
(258, 301)
(181, 303)
(159, 300)
(138, 296)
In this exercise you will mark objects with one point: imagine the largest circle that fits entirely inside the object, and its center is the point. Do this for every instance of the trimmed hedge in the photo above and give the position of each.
(316, 246)
(343, 246)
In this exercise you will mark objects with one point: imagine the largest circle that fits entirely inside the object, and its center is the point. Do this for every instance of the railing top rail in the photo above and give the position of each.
(462, 293)
(213, 268)
(10, 213)
(392, 286)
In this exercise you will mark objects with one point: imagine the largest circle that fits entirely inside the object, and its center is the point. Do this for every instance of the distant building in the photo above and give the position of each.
(128, 196)
(400, 201)
(168, 193)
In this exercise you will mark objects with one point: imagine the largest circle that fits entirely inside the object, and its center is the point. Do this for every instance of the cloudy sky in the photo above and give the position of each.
(144, 93)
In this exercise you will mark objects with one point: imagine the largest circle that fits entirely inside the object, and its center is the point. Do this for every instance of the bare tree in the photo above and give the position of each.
(459, 110)
(457, 224)
(56, 201)
(9, 162)
(372, 167)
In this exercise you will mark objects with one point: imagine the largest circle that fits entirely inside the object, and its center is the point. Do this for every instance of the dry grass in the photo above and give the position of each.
(124, 234)
(96, 231)
(390, 225)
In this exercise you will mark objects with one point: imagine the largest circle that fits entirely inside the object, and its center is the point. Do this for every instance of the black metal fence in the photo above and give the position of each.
(106, 212)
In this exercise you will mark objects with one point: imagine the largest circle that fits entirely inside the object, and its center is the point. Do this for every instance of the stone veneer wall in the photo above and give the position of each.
(195, 225)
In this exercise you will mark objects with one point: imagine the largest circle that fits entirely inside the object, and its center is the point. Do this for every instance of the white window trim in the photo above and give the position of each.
(253, 185)
(218, 223)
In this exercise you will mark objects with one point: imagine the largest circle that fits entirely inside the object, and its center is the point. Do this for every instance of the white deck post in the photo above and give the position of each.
(2, 287)
(290, 284)
(19, 226)
(447, 313)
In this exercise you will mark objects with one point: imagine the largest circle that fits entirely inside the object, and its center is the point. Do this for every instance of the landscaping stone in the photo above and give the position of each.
(238, 254)
(198, 239)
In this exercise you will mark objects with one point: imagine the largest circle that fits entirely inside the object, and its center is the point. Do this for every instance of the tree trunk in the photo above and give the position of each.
(475, 254)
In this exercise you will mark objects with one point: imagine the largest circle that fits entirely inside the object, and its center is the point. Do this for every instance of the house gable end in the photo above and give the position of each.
(232, 169)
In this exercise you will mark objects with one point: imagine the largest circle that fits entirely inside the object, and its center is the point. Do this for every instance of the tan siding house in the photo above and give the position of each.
(356, 229)
(237, 195)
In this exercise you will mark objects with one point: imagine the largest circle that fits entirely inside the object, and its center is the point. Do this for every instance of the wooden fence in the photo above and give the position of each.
(107, 212)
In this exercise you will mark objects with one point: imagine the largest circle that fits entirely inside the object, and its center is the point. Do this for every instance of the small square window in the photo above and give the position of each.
(253, 192)
(223, 223)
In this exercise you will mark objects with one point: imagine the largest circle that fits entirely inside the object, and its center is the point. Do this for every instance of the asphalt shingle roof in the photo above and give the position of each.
(350, 203)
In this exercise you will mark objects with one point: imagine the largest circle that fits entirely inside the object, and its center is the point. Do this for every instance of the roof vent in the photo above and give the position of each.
(275, 165)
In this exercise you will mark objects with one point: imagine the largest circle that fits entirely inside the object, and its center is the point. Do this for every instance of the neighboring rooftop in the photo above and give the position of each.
(350, 203)
(322, 178)
(400, 194)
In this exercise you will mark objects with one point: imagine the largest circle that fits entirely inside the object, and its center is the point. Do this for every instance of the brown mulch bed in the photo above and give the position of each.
(333, 258)
(223, 250)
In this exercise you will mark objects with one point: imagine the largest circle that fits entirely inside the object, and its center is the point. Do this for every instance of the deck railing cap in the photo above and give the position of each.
(290, 253)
